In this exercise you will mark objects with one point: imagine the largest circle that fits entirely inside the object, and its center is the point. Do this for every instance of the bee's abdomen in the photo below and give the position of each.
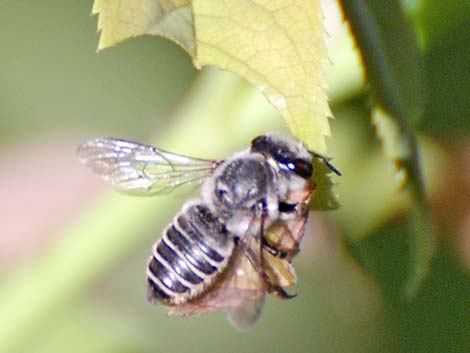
(188, 257)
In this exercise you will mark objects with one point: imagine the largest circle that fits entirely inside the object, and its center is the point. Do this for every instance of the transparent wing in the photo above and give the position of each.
(247, 279)
(257, 272)
(251, 273)
(142, 169)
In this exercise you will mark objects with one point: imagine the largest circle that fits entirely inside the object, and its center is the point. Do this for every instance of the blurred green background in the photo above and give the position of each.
(73, 253)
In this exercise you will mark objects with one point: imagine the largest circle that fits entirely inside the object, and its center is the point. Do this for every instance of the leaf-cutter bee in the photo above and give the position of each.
(229, 247)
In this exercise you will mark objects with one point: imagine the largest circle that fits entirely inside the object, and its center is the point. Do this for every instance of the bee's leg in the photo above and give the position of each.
(281, 292)
(255, 251)
(262, 208)
(272, 250)
(255, 254)
(277, 290)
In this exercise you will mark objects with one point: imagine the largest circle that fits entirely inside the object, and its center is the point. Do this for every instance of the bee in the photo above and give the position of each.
(234, 243)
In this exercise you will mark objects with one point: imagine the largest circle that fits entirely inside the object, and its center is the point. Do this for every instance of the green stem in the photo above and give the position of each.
(420, 223)
(394, 70)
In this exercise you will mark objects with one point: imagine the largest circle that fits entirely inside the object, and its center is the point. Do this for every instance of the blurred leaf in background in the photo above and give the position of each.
(72, 257)
(393, 65)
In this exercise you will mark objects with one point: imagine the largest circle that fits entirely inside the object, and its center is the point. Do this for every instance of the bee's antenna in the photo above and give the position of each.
(326, 160)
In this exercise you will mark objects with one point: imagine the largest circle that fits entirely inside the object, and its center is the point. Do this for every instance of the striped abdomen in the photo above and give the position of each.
(193, 250)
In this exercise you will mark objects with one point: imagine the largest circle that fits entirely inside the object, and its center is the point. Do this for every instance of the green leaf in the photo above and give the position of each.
(325, 197)
(123, 19)
(277, 46)
(395, 144)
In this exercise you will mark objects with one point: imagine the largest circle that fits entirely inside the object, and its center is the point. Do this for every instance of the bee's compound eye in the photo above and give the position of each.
(302, 168)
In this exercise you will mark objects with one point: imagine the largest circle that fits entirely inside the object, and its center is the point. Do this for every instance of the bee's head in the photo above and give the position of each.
(289, 154)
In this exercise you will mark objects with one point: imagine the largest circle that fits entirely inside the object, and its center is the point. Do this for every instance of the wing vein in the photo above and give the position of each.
(136, 168)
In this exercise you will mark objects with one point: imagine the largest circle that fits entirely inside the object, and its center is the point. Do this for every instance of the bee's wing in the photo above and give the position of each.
(257, 271)
(251, 288)
(241, 288)
(141, 169)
